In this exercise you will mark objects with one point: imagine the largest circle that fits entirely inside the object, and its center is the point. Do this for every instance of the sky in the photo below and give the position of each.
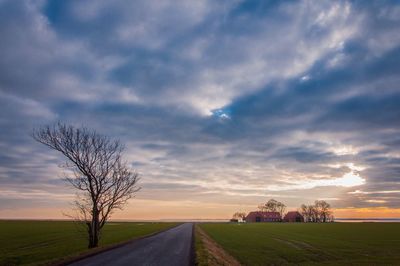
(221, 105)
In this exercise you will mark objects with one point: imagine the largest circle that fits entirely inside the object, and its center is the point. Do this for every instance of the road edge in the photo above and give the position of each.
(192, 260)
(91, 253)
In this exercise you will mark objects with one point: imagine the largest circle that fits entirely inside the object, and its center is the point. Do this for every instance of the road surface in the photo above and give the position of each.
(171, 247)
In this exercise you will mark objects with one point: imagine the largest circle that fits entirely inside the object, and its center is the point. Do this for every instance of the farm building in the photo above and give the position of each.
(259, 216)
(293, 217)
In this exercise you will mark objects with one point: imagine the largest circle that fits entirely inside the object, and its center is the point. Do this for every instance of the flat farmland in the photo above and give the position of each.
(308, 243)
(40, 242)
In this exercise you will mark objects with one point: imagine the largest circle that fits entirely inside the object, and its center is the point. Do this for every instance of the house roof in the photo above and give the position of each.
(264, 214)
(292, 215)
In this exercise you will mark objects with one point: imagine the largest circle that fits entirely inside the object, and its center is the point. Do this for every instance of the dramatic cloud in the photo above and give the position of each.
(221, 104)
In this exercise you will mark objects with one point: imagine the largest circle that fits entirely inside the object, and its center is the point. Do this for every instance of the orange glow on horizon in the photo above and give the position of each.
(377, 212)
(160, 210)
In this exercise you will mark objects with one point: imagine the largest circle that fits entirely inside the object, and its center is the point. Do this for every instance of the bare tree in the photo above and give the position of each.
(319, 212)
(270, 206)
(304, 212)
(314, 214)
(281, 208)
(239, 215)
(323, 209)
(103, 180)
(308, 212)
(273, 206)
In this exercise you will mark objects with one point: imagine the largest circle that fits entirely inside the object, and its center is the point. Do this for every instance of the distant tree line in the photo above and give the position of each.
(319, 212)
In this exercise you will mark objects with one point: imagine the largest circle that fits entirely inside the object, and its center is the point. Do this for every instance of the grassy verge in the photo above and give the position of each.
(201, 251)
(40, 242)
(309, 244)
(209, 253)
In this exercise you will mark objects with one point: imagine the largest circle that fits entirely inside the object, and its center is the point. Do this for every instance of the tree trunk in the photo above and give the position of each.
(90, 235)
(95, 241)
(94, 230)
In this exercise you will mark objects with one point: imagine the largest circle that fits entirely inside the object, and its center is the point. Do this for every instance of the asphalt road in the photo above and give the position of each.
(171, 247)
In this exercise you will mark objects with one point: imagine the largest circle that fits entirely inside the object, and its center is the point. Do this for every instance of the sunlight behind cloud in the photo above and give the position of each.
(350, 179)
(344, 150)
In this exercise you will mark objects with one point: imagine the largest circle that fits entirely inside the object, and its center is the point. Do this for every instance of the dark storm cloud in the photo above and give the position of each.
(211, 97)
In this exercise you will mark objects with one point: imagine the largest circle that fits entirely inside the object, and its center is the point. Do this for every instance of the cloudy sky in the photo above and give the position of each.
(222, 105)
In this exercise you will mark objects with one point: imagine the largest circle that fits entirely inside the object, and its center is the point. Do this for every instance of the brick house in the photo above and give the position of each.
(260, 216)
(293, 217)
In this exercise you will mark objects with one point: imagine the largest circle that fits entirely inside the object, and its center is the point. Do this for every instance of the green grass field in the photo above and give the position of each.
(309, 244)
(38, 242)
